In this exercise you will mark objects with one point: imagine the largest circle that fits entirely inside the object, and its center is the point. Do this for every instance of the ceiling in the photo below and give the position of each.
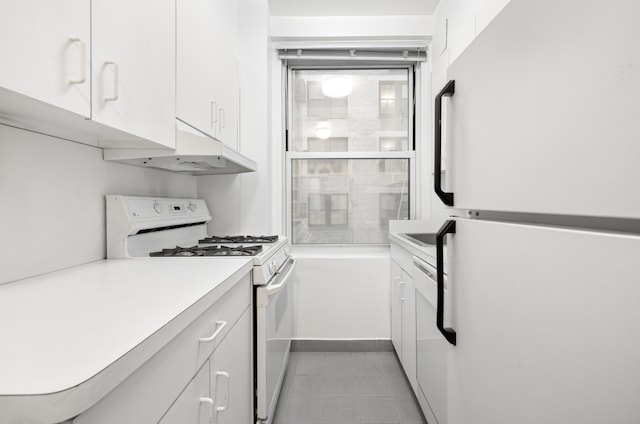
(351, 7)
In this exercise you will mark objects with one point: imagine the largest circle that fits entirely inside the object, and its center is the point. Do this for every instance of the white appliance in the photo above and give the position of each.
(542, 136)
(196, 153)
(152, 227)
(432, 349)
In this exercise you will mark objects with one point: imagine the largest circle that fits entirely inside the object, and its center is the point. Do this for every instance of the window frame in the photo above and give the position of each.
(290, 156)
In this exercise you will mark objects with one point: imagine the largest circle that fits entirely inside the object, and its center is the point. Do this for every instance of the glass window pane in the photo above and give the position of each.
(348, 200)
(362, 107)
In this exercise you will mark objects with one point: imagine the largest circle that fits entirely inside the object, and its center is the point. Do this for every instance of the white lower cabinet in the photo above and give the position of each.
(231, 374)
(403, 319)
(169, 387)
(396, 308)
(194, 405)
(221, 391)
(409, 327)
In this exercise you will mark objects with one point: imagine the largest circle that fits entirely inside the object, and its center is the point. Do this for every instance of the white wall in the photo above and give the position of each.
(52, 212)
(343, 295)
(348, 28)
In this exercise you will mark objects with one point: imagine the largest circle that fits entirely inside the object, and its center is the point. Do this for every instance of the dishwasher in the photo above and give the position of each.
(432, 348)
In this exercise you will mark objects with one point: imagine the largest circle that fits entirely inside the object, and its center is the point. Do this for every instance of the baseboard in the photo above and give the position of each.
(341, 346)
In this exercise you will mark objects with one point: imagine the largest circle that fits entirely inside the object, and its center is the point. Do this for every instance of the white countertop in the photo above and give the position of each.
(397, 232)
(426, 252)
(72, 334)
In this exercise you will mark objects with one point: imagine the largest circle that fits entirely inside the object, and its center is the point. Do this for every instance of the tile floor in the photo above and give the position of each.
(346, 388)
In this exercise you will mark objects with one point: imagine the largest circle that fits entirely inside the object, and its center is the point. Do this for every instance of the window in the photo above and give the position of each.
(350, 153)
(319, 105)
(328, 210)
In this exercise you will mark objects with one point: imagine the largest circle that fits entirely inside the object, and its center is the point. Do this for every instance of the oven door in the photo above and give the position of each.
(274, 330)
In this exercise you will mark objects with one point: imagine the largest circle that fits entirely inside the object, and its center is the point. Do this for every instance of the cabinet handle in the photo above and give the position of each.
(448, 227)
(83, 58)
(221, 118)
(214, 113)
(446, 197)
(396, 286)
(424, 268)
(116, 82)
(401, 289)
(226, 390)
(219, 327)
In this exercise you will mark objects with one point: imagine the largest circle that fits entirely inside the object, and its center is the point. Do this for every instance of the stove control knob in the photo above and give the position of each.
(157, 206)
(273, 268)
(193, 207)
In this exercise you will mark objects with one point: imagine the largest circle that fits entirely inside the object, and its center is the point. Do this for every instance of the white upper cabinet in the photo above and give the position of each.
(195, 103)
(207, 70)
(98, 72)
(46, 51)
(458, 23)
(133, 72)
(228, 93)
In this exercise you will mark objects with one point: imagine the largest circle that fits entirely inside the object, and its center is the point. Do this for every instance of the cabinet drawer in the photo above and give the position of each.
(145, 395)
(403, 258)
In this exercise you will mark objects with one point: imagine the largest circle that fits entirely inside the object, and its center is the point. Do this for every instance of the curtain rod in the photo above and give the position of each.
(399, 55)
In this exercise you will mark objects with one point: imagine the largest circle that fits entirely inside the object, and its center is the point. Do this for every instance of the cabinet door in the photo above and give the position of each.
(196, 104)
(228, 94)
(45, 51)
(226, 80)
(133, 67)
(207, 68)
(396, 308)
(408, 300)
(232, 375)
(194, 405)
(225, 21)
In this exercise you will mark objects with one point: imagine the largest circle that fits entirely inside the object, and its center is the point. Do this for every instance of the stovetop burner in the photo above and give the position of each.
(239, 239)
(208, 251)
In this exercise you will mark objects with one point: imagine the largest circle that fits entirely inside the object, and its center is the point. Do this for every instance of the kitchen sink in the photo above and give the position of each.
(423, 238)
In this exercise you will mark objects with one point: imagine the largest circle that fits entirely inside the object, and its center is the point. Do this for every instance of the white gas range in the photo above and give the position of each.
(150, 227)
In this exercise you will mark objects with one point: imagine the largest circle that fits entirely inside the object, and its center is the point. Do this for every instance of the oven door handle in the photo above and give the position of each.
(423, 267)
(275, 288)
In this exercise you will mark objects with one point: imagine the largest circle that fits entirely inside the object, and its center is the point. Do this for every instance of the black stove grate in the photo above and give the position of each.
(239, 239)
(208, 251)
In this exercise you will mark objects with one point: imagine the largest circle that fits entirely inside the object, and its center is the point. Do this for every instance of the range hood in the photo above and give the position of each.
(196, 153)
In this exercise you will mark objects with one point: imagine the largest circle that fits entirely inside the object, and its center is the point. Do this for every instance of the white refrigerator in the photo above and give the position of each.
(542, 127)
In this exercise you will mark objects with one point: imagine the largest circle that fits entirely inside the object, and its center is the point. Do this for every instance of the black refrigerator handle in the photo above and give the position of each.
(446, 197)
(449, 227)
